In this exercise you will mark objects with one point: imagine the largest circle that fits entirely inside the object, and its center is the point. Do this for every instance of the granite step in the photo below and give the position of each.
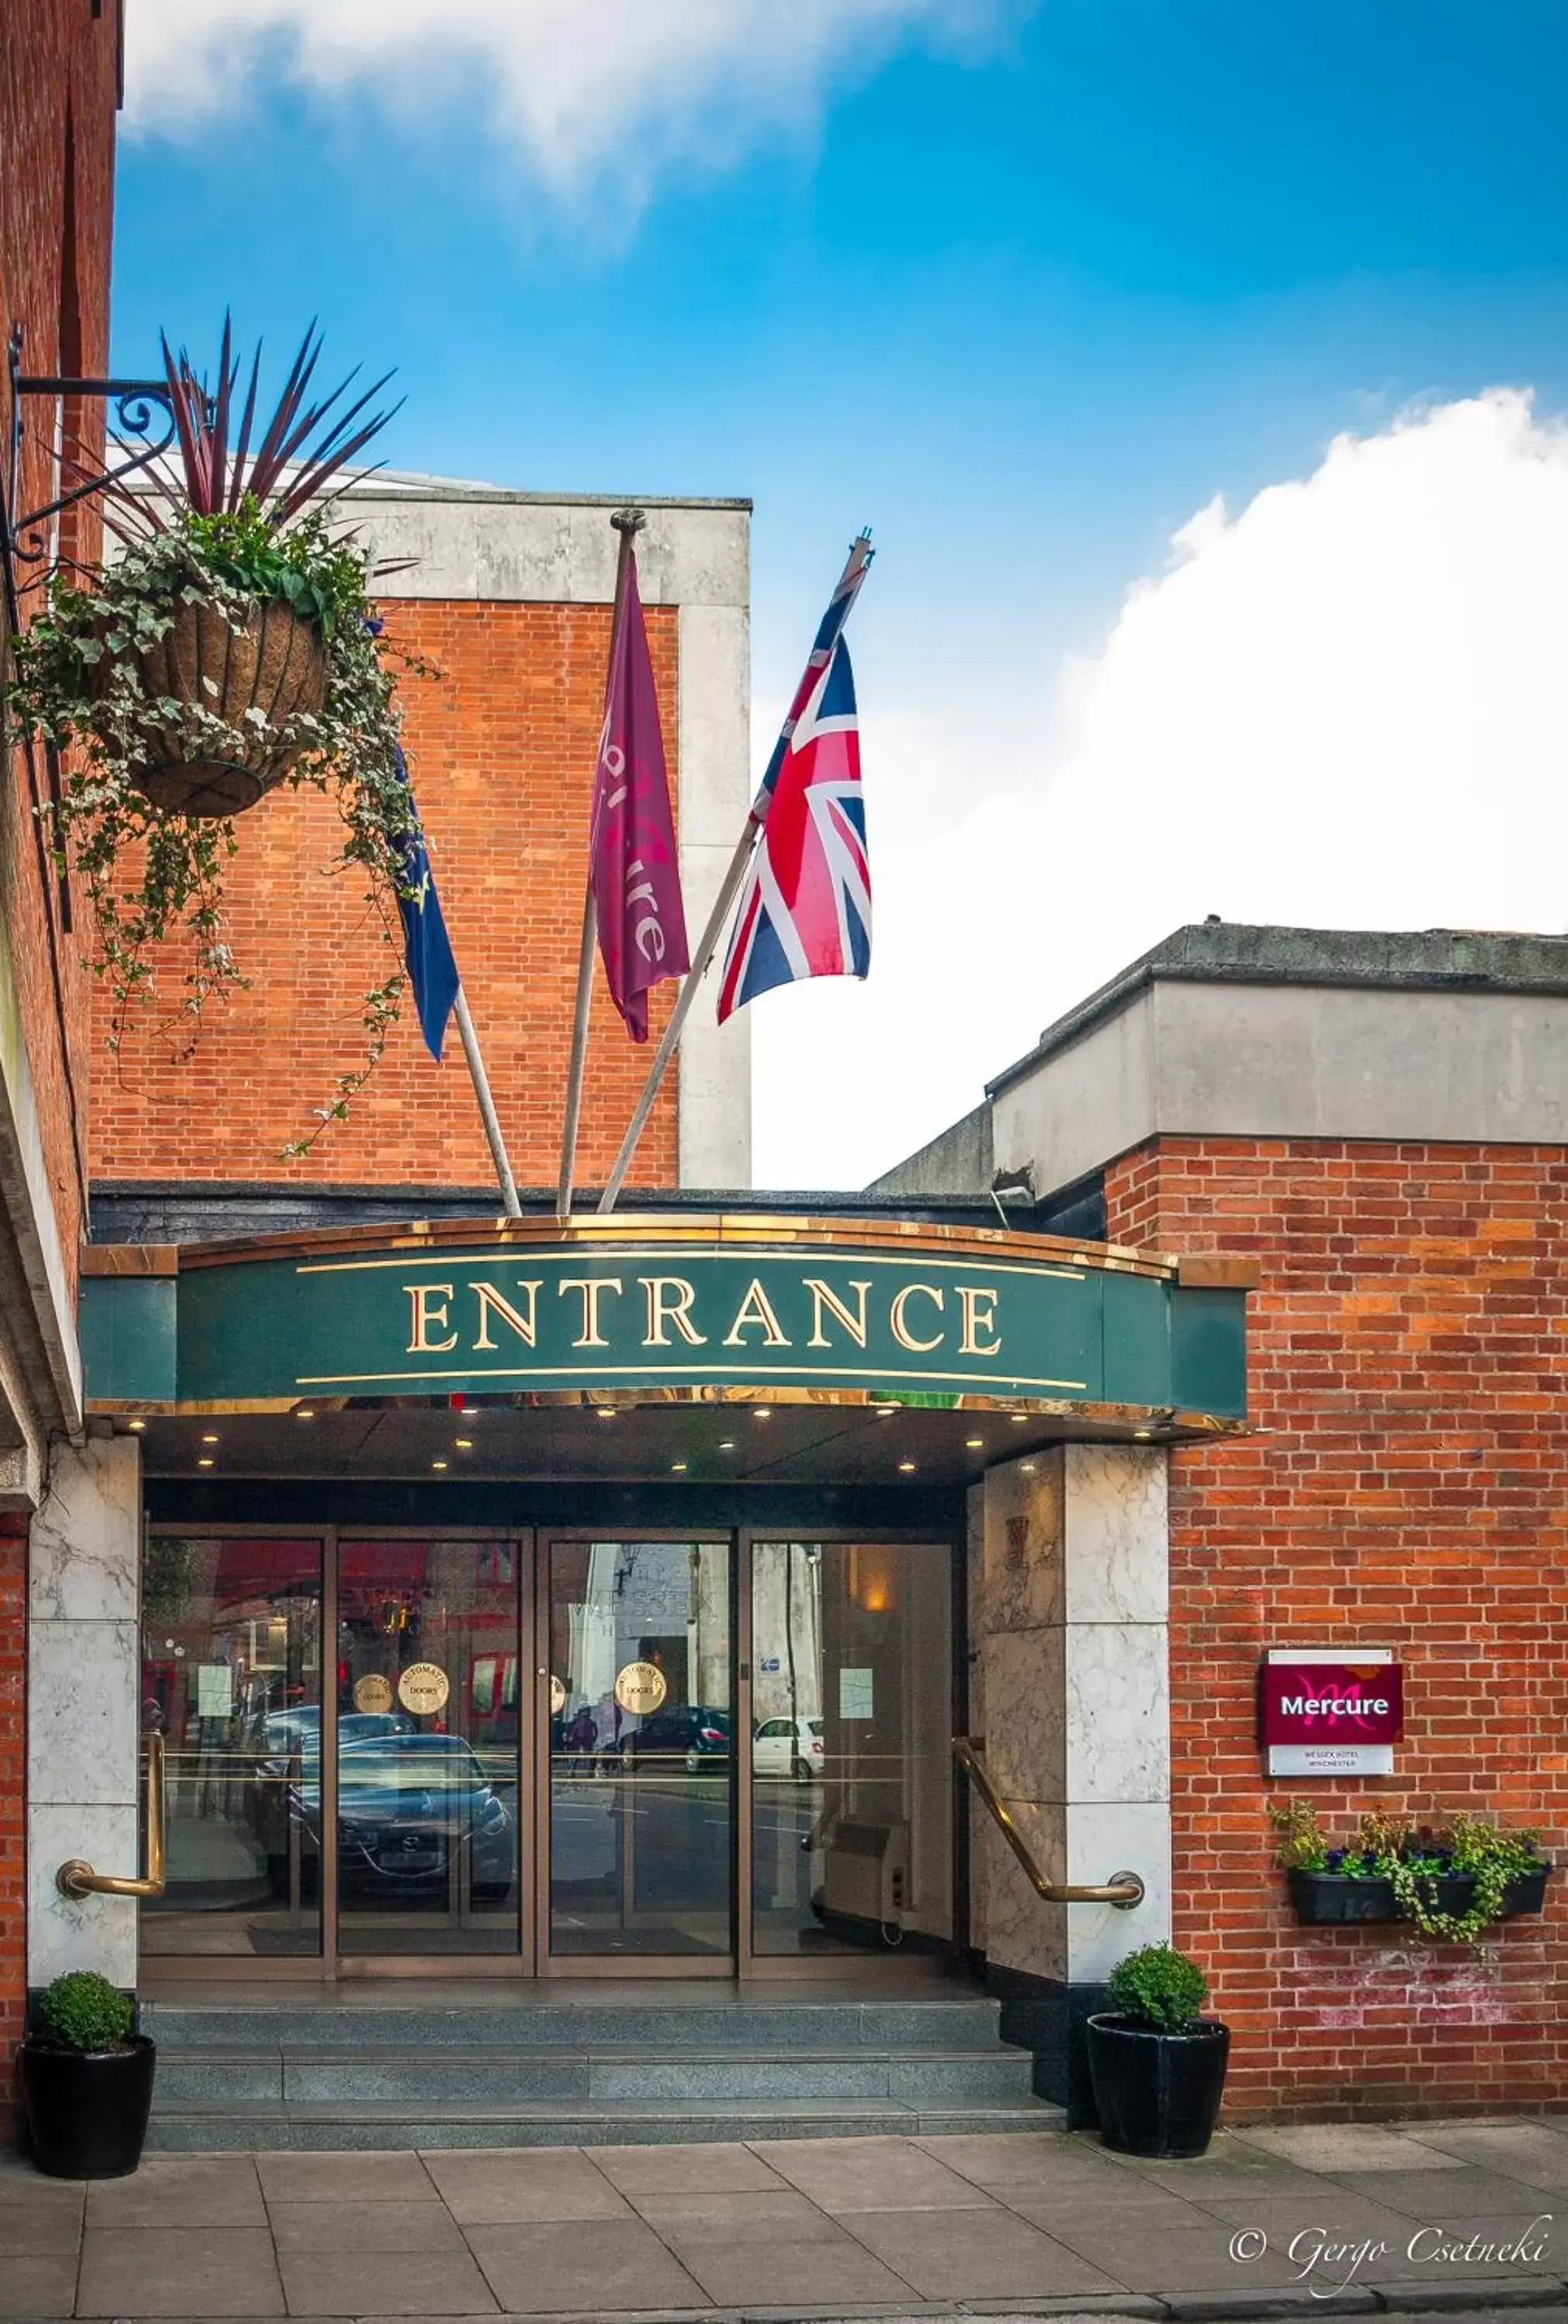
(278, 2128)
(532, 2024)
(486, 2074)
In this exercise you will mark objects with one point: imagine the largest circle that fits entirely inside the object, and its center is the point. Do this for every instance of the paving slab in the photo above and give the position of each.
(674, 2169)
(339, 2178)
(968, 2255)
(532, 2183)
(349, 2282)
(1434, 2197)
(185, 2272)
(1346, 2146)
(362, 2226)
(617, 2265)
(765, 2218)
(180, 2190)
(835, 2274)
(39, 2285)
(1536, 2152)
(861, 2174)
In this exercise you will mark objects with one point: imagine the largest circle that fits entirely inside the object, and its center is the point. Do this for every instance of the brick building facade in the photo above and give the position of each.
(507, 600)
(1403, 1485)
(59, 83)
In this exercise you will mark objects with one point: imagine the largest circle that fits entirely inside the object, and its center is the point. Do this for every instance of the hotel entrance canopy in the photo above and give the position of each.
(1078, 1338)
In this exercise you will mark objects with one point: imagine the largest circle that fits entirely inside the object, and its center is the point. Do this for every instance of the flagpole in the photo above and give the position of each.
(858, 559)
(628, 523)
(487, 1112)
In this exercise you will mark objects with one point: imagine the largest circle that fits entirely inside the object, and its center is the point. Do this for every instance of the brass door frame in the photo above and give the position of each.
(720, 1965)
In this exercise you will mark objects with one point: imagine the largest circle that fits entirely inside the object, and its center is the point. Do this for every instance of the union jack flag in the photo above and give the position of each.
(806, 906)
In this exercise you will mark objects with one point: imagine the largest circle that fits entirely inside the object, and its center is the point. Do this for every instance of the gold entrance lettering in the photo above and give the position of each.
(898, 1318)
(756, 1309)
(978, 1303)
(523, 1324)
(824, 1300)
(430, 1303)
(670, 1299)
(593, 1288)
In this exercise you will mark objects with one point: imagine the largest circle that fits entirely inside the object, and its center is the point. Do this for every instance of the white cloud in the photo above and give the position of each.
(1346, 706)
(580, 86)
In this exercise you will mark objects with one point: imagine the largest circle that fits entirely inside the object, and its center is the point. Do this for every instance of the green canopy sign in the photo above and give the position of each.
(938, 1320)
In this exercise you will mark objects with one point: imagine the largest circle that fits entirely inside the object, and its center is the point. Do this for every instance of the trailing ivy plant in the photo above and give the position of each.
(1413, 1860)
(231, 528)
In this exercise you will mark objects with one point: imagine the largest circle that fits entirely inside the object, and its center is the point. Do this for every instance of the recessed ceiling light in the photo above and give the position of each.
(1018, 1419)
(762, 1412)
(304, 1413)
(886, 1411)
(1143, 1434)
(726, 1445)
(907, 1468)
(974, 1443)
(1028, 1467)
(205, 1463)
(210, 1440)
(136, 1426)
(440, 1464)
(605, 1411)
(464, 1444)
(678, 1468)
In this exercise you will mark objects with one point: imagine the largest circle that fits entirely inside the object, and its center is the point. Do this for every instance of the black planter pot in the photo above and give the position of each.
(86, 2109)
(1157, 2094)
(1331, 1900)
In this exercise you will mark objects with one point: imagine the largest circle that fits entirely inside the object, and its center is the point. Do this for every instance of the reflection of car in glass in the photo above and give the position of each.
(695, 1737)
(786, 1748)
(408, 1804)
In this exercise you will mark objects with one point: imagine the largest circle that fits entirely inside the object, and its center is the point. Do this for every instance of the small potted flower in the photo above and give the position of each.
(1156, 2063)
(86, 2077)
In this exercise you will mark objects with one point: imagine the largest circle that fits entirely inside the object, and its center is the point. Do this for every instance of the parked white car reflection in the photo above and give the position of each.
(788, 1748)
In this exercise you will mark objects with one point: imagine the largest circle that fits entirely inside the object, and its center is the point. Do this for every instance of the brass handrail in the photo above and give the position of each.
(1123, 1889)
(76, 1877)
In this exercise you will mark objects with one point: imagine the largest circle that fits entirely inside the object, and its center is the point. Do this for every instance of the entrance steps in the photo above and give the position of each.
(577, 2066)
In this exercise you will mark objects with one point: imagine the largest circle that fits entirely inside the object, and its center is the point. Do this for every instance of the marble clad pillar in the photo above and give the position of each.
(83, 1700)
(1072, 1664)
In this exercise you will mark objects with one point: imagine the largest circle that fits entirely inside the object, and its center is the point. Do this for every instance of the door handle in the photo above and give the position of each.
(76, 1877)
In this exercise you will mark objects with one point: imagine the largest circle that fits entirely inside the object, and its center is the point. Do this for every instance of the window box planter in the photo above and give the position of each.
(1331, 1900)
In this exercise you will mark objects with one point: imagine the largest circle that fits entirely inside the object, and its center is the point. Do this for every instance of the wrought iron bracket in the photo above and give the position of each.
(140, 406)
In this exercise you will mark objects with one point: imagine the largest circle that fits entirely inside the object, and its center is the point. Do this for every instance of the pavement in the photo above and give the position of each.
(1424, 2221)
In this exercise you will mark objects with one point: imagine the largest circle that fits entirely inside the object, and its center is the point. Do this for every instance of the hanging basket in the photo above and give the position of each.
(274, 663)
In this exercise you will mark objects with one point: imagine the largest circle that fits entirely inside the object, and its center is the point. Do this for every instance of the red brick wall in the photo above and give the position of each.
(1408, 1487)
(503, 747)
(57, 67)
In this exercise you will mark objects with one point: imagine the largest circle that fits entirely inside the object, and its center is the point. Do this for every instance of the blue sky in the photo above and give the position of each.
(1022, 287)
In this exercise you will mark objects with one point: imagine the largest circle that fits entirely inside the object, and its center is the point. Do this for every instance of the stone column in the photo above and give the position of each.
(83, 1697)
(1074, 1663)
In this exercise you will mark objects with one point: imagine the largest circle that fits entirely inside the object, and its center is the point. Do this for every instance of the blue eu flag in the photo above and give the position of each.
(427, 947)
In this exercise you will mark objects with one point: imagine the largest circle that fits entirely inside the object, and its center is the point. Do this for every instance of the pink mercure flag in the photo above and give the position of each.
(632, 867)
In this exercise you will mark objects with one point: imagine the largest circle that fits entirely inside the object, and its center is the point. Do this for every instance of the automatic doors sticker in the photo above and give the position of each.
(423, 1689)
(641, 1687)
(374, 1692)
(214, 1691)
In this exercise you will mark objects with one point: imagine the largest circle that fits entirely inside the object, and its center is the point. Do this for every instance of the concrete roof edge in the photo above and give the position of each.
(1412, 960)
